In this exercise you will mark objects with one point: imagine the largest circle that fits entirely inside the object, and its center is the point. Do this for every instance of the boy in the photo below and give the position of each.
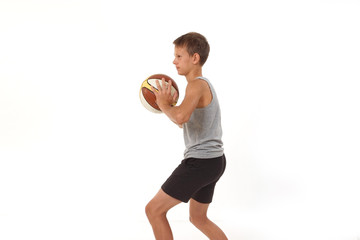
(199, 115)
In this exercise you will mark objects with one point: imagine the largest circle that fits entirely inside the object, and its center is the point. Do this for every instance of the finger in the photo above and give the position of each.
(175, 97)
(169, 86)
(163, 83)
(158, 85)
(154, 90)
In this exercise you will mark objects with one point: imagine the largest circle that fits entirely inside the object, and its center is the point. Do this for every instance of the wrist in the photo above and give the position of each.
(164, 106)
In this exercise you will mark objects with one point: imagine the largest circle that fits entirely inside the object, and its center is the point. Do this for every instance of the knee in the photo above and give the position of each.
(198, 220)
(151, 211)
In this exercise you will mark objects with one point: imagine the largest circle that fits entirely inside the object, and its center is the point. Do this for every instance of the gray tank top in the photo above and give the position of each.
(203, 132)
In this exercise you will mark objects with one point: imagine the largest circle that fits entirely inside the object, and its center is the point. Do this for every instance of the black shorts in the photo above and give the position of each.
(195, 178)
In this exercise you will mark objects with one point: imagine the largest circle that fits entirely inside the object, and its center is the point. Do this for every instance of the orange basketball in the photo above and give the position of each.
(147, 96)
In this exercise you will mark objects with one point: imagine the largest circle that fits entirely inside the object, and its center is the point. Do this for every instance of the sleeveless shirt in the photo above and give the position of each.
(203, 132)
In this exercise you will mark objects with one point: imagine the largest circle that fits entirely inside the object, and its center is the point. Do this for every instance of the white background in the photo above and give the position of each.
(80, 156)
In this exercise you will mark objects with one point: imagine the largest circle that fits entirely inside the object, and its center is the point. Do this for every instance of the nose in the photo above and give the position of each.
(174, 62)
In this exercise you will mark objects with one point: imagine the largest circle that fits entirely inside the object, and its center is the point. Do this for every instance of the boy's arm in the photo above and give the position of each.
(179, 114)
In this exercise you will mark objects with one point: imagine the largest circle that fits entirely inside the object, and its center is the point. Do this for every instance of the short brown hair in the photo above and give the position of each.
(194, 43)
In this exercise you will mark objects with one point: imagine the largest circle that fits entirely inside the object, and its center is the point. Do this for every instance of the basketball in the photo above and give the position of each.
(148, 98)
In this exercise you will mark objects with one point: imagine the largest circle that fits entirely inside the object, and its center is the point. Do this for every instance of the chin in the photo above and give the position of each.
(180, 73)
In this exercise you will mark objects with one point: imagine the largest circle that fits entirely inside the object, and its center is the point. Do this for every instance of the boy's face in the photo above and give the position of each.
(183, 61)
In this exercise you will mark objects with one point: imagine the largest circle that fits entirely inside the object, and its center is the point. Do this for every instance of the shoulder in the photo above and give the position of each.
(197, 85)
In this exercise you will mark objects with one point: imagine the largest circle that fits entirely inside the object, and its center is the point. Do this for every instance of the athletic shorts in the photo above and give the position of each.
(195, 178)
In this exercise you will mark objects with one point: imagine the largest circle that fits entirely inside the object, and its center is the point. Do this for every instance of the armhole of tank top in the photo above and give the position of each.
(211, 91)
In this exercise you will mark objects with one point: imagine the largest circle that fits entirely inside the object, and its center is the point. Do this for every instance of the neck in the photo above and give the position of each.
(193, 75)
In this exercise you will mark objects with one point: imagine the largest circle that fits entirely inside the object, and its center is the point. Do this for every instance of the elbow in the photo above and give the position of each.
(181, 118)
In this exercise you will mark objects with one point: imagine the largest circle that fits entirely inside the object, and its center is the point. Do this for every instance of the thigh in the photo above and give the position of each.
(198, 209)
(162, 202)
(192, 175)
(205, 194)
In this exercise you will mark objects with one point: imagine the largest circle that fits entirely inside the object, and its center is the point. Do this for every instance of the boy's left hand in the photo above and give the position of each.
(163, 94)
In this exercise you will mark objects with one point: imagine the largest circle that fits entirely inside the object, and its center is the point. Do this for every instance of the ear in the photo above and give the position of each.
(196, 58)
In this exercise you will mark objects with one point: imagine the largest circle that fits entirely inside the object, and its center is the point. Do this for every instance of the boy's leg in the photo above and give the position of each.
(198, 217)
(156, 211)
